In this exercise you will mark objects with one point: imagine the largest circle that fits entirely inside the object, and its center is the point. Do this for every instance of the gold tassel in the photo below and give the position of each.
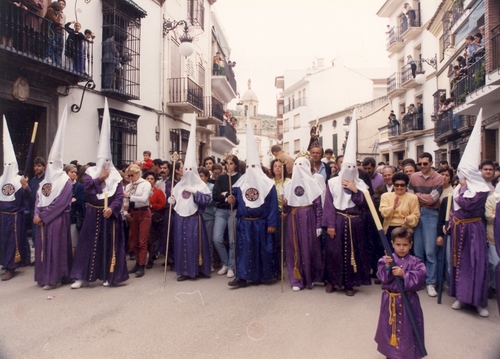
(17, 257)
(393, 317)
(200, 258)
(113, 262)
(113, 258)
(296, 273)
(394, 341)
(353, 263)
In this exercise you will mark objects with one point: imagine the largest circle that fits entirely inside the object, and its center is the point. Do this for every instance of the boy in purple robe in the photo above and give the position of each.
(395, 337)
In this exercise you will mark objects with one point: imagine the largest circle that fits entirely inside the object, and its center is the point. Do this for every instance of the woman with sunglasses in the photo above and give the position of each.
(399, 208)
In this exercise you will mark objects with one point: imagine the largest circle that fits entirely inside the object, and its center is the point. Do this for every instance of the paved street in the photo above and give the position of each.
(206, 319)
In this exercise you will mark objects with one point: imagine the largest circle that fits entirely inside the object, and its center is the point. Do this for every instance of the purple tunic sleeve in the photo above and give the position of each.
(202, 200)
(58, 206)
(318, 209)
(471, 204)
(116, 201)
(358, 198)
(329, 214)
(92, 186)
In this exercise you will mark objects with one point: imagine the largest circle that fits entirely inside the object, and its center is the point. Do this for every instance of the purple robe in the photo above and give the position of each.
(13, 227)
(413, 280)
(339, 269)
(303, 247)
(189, 233)
(255, 259)
(53, 239)
(469, 251)
(88, 260)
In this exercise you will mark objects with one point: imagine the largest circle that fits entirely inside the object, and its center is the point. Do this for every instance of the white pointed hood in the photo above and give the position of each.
(254, 184)
(10, 180)
(348, 171)
(55, 177)
(303, 189)
(184, 200)
(104, 157)
(468, 167)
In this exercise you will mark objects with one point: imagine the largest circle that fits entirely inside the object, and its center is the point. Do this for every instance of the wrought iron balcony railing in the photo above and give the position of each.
(185, 90)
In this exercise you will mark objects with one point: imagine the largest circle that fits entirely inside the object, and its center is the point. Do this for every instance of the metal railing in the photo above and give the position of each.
(394, 82)
(473, 80)
(412, 19)
(185, 90)
(213, 108)
(394, 130)
(412, 122)
(495, 48)
(226, 70)
(25, 33)
(456, 12)
(448, 124)
(227, 131)
(392, 37)
(295, 104)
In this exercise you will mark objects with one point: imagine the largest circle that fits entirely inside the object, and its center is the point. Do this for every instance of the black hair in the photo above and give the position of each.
(402, 232)
(400, 176)
(285, 172)
(369, 161)
(426, 155)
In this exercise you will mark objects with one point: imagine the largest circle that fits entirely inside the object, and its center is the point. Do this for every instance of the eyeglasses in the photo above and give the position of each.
(423, 164)
(399, 185)
(130, 176)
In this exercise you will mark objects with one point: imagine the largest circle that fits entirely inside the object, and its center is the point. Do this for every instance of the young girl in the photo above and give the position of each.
(394, 335)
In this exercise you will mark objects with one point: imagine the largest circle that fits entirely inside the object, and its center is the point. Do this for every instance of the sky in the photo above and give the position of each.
(268, 37)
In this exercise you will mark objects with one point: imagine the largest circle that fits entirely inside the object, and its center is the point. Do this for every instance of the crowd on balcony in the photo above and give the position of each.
(26, 26)
(411, 120)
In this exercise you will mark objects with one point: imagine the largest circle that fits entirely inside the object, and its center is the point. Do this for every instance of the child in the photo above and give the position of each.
(394, 335)
(147, 163)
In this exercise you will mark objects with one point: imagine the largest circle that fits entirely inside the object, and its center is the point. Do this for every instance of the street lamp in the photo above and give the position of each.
(186, 47)
(420, 78)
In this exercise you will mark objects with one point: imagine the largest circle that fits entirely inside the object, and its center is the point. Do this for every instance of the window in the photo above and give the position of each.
(123, 136)
(286, 125)
(420, 150)
(179, 139)
(335, 145)
(286, 147)
(196, 13)
(296, 146)
(255, 111)
(121, 34)
(296, 121)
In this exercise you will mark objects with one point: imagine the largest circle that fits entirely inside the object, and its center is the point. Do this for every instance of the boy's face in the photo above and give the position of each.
(401, 246)
(146, 156)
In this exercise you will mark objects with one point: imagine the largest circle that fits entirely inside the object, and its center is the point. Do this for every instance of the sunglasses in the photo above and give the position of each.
(399, 185)
(423, 164)
(130, 176)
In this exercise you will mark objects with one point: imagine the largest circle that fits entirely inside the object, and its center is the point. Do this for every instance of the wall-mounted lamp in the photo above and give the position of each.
(186, 47)
(420, 77)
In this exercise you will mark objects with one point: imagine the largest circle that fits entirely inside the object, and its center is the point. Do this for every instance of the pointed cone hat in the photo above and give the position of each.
(10, 180)
(254, 184)
(185, 205)
(468, 167)
(348, 170)
(55, 177)
(105, 158)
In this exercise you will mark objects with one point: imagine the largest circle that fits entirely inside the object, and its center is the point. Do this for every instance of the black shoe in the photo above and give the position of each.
(140, 272)
(182, 278)
(132, 257)
(135, 269)
(236, 282)
(149, 265)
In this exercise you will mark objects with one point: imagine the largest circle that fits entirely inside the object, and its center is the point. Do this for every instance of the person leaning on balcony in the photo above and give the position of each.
(410, 14)
(56, 44)
(215, 64)
(109, 61)
(471, 49)
(413, 65)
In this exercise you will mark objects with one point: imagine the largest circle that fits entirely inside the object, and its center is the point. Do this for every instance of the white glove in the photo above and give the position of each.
(171, 200)
(318, 232)
(190, 189)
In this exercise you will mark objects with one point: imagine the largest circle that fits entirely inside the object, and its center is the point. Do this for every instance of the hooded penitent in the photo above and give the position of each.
(104, 157)
(469, 164)
(10, 180)
(254, 184)
(348, 171)
(55, 177)
(184, 200)
(303, 189)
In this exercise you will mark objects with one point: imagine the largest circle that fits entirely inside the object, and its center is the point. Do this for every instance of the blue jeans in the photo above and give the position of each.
(58, 47)
(425, 242)
(493, 261)
(223, 220)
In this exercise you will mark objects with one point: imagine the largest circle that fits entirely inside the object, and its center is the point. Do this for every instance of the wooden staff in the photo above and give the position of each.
(399, 281)
(175, 158)
(105, 241)
(282, 226)
(30, 150)
(232, 222)
(443, 249)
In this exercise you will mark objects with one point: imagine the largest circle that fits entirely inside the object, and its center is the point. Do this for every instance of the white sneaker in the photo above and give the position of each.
(458, 305)
(105, 284)
(296, 289)
(212, 269)
(223, 270)
(483, 312)
(79, 283)
(54, 286)
(230, 273)
(431, 291)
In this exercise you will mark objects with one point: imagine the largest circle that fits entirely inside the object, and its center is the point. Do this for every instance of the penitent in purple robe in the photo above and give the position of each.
(189, 233)
(303, 247)
(53, 239)
(88, 262)
(255, 259)
(469, 251)
(497, 246)
(13, 227)
(404, 343)
(339, 269)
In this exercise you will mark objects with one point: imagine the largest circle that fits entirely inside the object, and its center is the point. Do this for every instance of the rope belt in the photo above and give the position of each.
(392, 316)
(296, 272)
(17, 255)
(91, 205)
(252, 218)
(349, 218)
(457, 222)
(200, 257)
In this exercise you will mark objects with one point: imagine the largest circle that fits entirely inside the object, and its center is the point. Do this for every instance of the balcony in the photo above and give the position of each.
(449, 127)
(412, 122)
(394, 41)
(394, 87)
(473, 80)
(28, 49)
(184, 95)
(494, 53)
(224, 139)
(410, 24)
(393, 130)
(224, 82)
(408, 75)
(295, 104)
(213, 114)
